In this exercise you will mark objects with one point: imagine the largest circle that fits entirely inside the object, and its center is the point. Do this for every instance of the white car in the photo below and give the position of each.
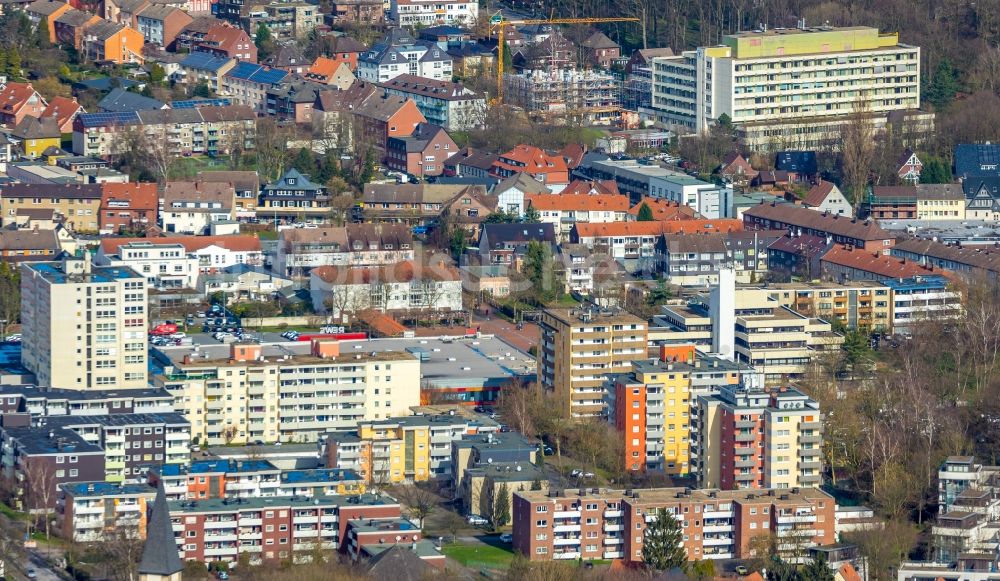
(476, 520)
(178, 335)
(506, 538)
(576, 473)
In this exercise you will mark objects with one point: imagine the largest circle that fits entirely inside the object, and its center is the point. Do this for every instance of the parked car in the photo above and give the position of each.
(506, 538)
(476, 520)
(576, 473)
(741, 570)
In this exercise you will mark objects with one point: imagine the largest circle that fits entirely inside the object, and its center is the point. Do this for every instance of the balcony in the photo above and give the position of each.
(745, 437)
(567, 514)
(566, 528)
(613, 513)
(562, 542)
(745, 477)
(810, 438)
(795, 518)
(751, 463)
(716, 542)
(613, 540)
(744, 451)
(614, 555)
(609, 527)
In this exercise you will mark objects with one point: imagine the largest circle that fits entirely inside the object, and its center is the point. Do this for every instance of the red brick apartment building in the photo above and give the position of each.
(840, 229)
(610, 524)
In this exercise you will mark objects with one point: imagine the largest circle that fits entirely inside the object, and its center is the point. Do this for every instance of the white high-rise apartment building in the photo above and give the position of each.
(431, 12)
(788, 87)
(84, 327)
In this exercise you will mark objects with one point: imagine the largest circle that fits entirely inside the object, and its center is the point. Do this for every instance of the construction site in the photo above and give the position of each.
(591, 97)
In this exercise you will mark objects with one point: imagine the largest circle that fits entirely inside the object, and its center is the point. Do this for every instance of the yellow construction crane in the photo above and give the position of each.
(499, 25)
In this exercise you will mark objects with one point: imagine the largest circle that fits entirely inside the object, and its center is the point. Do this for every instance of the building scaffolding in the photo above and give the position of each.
(594, 95)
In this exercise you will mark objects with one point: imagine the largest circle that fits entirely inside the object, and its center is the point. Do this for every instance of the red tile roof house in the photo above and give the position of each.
(65, 110)
(128, 207)
(842, 263)
(20, 100)
(421, 154)
(551, 170)
(227, 40)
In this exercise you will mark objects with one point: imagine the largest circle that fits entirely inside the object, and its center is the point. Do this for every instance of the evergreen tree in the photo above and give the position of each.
(935, 171)
(157, 74)
(305, 162)
(501, 507)
(645, 213)
(42, 36)
(264, 41)
(816, 570)
(368, 169)
(942, 86)
(3, 60)
(500, 217)
(531, 216)
(662, 547)
(536, 484)
(13, 62)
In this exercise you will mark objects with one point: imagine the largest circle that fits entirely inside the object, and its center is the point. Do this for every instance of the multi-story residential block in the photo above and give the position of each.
(208, 130)
(546, 168)
(404, 449)
(399, 53)
(227, 41)
(103, 329)
(920, 202)
(922, 298)
(407, 286)
(650, 181)
(287, 393)
(578, 348)
(228, 478)
(651, 408)
(247, 84)
(430, 12)
(358, 11)
(752, 438)
(592, 94)
(864, 305)
(161, 23)
(288, 21)
(77, 205)
(450, 105)
(301, 249)
(564, 210)
(274, 528)
(421, 154)
(481, 464)
(610, 524)
(49, 10)
(507, 244)
(842, 263)
(130, 207)
(201, 67)
(112, 42)
(93, 512)
(37, 403)
(165, 265)
(190, 207)
(775, 84)
(212, 253)
(968, 261)
(866, 235)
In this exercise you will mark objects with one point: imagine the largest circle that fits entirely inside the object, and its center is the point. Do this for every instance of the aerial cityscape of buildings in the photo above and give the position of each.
(279, 281)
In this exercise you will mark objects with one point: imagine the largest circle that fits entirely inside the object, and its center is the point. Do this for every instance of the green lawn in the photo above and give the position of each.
(479, 554)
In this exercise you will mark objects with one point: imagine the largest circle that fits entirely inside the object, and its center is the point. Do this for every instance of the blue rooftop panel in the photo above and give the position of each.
(318, 475)
(109, 119)
(257, 73)
(204, 61)
(194, 103)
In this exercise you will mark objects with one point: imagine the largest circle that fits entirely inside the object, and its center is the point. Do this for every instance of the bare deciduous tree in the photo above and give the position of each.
(857, 150)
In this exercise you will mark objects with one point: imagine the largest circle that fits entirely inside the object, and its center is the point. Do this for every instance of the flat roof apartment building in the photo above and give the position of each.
(787, 86)
(285, 392)
(579, 348)
(84, 326)
(610, 524)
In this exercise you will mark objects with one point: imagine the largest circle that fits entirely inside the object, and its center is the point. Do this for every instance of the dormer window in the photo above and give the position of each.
(291, 181)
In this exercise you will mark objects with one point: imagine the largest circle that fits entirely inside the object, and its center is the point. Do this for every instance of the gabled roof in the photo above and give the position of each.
(24, 239)
(345, 44)
(44, 7)
(605, 187)
(423, 134)
(31, 128)
(119, 100)
(159, 554)
(578, 202)
(444, 90)
(700, 243)
(323, 67)
(257, 73)
(664, 209)
(532, 159)
(75, 18)
(62, 109)
(293, 180)
(523, 182)
(13, 96)
(287, 56)
(819, 193)
(904, 157)
(204, 61)
(517, 233)
(874, 262)
(977, 159)
(471, 157)
(224, 35)
(405, 271)
(191, 191)
(381, 106)
(599, 40)
(813, 220)
(241, 180)
(345, 100)
(233, 243)
(694, 226)
(104, 29)
(160, 12)
(398, 563)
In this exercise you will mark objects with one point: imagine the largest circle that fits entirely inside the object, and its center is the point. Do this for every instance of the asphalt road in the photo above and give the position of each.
(42, 570)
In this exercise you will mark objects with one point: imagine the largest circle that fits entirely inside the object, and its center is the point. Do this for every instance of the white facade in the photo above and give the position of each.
(786, 77)
(84, 326)
(431, 12)
(194, 217)
(709, 200)
(423, 60)
(417, 294)
(722, 309)
(163, 265)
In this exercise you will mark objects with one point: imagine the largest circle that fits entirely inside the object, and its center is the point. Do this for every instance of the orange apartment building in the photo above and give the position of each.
(49, 10)
(610, 524)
